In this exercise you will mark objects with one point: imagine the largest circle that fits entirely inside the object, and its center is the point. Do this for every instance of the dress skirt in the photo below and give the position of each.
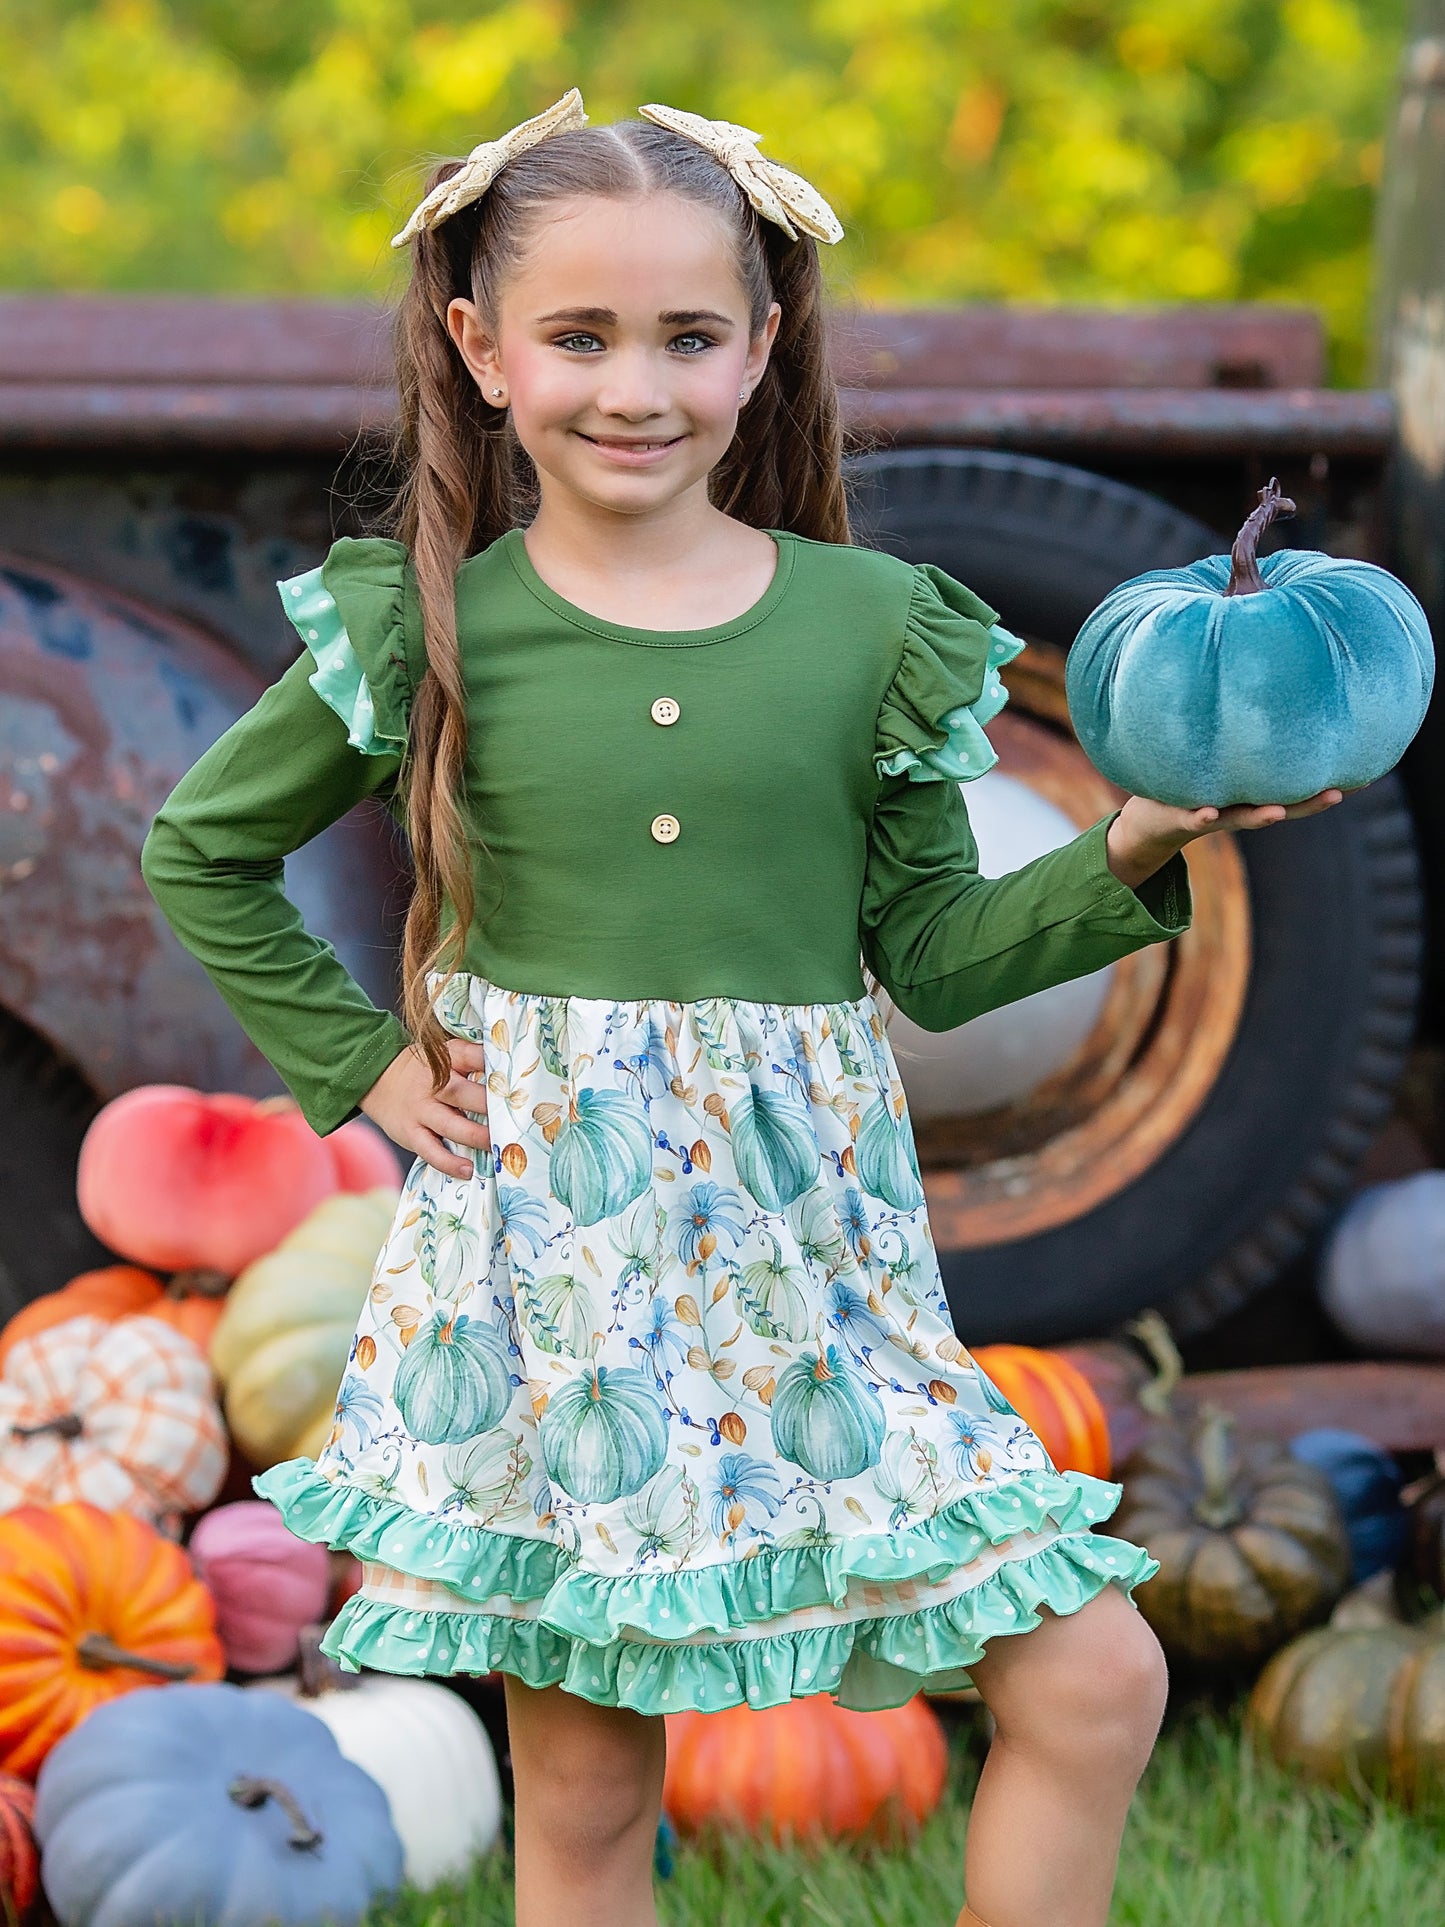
(663, 1404)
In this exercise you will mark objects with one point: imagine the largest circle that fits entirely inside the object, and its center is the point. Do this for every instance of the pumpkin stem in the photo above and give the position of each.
(98, 1650)
(1219, 1505)
(1244, 575)
(68, 1426)
(319, 1673)
(248, 1792)
(198, 1282)
(1157, 1339)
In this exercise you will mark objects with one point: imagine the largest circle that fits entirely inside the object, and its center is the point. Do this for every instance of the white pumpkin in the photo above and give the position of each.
(1382, 1276)
(425, 1748)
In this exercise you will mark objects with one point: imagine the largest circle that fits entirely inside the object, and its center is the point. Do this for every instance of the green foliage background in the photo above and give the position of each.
(1019, 150)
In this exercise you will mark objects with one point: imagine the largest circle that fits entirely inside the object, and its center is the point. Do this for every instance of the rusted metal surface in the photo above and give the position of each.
(104, 703)
(133, 373)
(1400, 1406)
(1161, 1040)
(1134, 421)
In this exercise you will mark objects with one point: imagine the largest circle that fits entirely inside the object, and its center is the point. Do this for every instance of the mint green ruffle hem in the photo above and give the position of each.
(468, 1560)
(615, 1640)
(866, 1663)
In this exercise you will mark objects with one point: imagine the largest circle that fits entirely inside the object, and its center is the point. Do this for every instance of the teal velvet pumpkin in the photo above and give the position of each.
(825, 1418)
(603, 1435)
(1367, 1483)
(1192, 691)
(454, 1381)
(774, 1148)
(188, 1804)
(887, 1164)
(602, 1159)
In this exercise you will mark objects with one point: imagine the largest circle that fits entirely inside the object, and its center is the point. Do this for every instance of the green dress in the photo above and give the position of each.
(663, 1403)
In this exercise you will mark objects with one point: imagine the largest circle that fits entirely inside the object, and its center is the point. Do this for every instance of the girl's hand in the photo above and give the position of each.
(411, 1113)
(1144, 835)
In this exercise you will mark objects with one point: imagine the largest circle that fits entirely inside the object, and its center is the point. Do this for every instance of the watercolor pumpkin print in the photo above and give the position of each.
(687, 1311)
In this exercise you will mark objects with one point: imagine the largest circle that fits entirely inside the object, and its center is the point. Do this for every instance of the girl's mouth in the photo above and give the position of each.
(633, 454)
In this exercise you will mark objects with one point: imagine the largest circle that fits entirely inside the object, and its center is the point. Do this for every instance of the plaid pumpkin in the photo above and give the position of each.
(121, 1414)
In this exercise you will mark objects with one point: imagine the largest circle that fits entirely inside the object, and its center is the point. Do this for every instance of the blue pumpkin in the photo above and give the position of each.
(454, 1381)
(1367, 1484)
(825, 1417)
(207, 1804)
(603, 1435)
(602, 1159)
(1232, 681)
(774, 1148)
(887, 1163)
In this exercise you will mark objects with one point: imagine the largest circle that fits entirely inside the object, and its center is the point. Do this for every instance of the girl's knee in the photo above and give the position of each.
(1098, 1684)
(591, 1783)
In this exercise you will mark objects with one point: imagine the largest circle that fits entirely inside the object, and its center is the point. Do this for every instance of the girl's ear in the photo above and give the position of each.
(759, 349)
(475, 346)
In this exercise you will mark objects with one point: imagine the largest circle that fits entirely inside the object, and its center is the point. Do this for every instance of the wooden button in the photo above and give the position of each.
(666, 711)
(666, 829)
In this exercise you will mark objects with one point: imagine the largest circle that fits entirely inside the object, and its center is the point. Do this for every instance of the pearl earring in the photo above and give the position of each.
(742, 394)
(496, 391)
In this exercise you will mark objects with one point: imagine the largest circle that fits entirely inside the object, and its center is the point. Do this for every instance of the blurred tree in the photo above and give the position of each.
(1083, 150)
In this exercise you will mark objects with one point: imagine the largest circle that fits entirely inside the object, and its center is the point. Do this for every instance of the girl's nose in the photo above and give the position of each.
(633, 386)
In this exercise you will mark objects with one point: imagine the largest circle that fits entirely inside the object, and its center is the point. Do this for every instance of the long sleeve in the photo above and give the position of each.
(214, 857)
(946, 942)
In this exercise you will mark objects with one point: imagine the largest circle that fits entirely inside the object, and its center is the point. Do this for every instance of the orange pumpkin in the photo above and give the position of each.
(809, 1769)
(122, 1414)
(92, 1604)
(191, 1303)
(19, 1855)
(1055, 1400)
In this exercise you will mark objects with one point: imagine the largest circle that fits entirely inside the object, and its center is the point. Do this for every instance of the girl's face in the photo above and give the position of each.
(621, 345)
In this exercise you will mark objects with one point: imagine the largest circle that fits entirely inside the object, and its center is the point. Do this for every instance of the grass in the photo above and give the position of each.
(1215, 1839)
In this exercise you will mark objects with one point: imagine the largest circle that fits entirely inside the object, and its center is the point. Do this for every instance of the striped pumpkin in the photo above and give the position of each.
(806, 1770)
(92, 1604)
(19, 1856)
(120, 1414)
(1056, 1401)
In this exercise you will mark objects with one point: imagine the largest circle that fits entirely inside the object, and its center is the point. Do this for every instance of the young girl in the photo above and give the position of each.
(655, 1402)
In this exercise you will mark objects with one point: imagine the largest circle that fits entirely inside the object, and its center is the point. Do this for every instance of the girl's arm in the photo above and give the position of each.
(948, 943)
(214, 862)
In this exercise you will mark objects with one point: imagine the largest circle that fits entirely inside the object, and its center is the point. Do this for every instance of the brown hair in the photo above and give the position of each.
(467, 479)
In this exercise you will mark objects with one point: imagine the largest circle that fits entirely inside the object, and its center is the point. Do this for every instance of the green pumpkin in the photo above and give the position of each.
(771, 1297)
(825, 1418)
(603, 1435)
(774, 1148)
(454, 1381)
(602, 1159)
(559, 1314)
(887, 1163)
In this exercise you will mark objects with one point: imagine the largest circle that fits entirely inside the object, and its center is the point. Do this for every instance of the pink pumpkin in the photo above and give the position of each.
(364, 1158)
(173, 1178)
(267, 1583)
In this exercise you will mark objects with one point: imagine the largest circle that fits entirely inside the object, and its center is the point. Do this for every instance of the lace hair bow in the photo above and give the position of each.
(775, 191)
(482, 165)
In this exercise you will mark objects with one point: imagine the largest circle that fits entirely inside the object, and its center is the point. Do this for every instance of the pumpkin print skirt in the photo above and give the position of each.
(663, 1404)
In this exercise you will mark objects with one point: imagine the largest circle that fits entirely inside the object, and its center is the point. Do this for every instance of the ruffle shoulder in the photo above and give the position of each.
(351, 614)
(947, 686)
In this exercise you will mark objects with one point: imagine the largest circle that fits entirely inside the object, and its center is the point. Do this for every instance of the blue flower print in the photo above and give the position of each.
(737, 1484)
(851, 1313)
(358, 1410)
(662, 1337)
(856, 1228)
(708, 1211)
(523, 1218)
(974, 1444)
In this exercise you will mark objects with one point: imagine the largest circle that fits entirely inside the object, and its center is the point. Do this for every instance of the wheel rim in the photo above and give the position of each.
(1143, 1073)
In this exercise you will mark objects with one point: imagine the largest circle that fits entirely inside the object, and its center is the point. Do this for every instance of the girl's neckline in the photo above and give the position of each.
(516, 550)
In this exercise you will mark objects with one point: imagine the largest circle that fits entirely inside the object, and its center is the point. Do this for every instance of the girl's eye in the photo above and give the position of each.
(707, 341)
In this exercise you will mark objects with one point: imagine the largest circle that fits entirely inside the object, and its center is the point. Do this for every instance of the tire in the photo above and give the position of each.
(1336, 909)
(45, 1106)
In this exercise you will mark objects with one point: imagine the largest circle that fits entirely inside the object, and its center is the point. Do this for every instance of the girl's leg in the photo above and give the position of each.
(1078, 1702)
(588, 1783)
